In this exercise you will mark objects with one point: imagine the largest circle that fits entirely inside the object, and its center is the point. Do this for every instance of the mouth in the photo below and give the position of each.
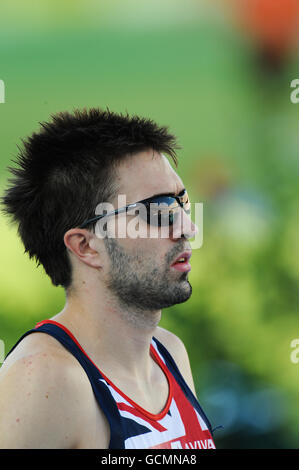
(182, 262)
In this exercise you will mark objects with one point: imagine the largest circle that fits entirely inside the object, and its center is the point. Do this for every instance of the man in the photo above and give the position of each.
(101, 373)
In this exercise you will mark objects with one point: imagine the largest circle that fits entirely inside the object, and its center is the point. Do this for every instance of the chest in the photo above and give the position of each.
(143, 402)
(164, 418)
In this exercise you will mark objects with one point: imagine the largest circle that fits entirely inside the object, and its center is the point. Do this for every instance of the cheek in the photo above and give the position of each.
(154, 253)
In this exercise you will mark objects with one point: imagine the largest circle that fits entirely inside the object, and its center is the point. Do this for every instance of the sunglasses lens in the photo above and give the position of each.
(163, 214)
(162, 211)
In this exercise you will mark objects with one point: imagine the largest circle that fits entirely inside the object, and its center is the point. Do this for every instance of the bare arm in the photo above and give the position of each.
(36, 404)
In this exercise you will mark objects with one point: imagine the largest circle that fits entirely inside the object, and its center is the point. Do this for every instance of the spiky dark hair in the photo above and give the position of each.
(64, 170)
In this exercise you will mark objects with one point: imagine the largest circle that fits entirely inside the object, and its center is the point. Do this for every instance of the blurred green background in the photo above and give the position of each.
(222, 85)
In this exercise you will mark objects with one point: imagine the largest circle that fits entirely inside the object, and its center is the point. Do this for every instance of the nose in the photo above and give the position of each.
(184, 227)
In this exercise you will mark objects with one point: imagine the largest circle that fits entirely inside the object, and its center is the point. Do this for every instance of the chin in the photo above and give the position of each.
(185, 292)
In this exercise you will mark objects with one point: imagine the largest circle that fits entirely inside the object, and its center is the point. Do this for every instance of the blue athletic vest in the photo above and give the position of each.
(181, 424)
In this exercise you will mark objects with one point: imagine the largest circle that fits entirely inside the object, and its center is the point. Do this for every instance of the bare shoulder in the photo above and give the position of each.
(171, 341)
(38, 345)
(178, 351)
(39, 357)
(42, 391)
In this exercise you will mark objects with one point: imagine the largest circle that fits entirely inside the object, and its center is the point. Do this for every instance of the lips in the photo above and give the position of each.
(181, 263)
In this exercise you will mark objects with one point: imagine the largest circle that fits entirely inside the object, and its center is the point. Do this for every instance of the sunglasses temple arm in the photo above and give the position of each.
(98, 217)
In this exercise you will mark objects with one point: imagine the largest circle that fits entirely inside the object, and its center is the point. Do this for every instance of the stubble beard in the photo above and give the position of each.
(141, 288)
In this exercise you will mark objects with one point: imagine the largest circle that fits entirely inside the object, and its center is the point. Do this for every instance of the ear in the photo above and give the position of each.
(83, 245)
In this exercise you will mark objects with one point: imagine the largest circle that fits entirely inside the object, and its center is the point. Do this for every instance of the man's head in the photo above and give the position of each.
(64, 171)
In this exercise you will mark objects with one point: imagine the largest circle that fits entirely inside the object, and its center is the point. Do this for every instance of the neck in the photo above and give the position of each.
(115, 338)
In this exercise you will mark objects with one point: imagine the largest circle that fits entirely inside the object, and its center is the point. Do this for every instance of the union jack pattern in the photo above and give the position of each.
(181, 424)
(178, 426)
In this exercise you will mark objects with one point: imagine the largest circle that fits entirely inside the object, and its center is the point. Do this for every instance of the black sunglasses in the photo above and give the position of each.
(161, 210)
